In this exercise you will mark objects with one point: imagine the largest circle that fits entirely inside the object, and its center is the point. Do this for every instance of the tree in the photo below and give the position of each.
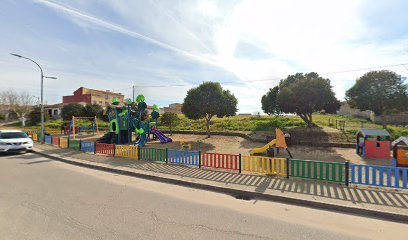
(379, 91)
(35, 116)
(209, 100)
(19, 103)
(270, 101)
(169, 119)
(305, 94)
(72, 109)
(92, 110)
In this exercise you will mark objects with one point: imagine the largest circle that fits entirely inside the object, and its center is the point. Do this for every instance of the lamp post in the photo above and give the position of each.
(42, 92)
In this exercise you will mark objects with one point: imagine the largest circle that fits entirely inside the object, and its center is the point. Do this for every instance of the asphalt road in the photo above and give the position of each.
(44, 199)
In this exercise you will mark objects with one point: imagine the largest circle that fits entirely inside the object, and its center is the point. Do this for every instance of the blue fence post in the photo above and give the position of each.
(360, 174)
(396, 177)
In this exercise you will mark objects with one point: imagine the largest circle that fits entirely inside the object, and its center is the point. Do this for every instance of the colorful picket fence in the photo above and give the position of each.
(152, 154)
(126, 151)
(63, 142)
(264, 165)
(103, 148)
(87, 146)
(184, 157)
(341, 172)
(383, 176)
(217, 160)
(47, 139)
(74, 144)
(327, 171)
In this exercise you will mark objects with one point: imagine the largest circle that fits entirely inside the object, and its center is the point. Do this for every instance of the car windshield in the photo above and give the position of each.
(10, 135)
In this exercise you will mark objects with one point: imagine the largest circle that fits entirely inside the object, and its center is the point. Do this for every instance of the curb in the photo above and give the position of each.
(246, 195)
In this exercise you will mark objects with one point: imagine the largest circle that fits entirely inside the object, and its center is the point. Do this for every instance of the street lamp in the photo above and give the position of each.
(42, 91)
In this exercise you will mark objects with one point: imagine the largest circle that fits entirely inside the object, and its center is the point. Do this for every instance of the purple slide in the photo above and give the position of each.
(163, 138)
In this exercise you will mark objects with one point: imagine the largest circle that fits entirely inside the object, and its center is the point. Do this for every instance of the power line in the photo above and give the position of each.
(271, 79)
(362, 69)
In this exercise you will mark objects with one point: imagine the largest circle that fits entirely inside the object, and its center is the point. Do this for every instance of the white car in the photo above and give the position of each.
(15, 141)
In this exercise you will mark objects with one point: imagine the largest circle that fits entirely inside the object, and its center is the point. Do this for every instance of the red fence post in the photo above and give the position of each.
(114, 150)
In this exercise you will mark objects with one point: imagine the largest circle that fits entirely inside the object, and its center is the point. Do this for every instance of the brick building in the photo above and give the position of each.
(92, 96)
(174, 108)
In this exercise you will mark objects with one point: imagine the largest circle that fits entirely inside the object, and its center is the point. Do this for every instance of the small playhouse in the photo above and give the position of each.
(374, 143)
(400, 152)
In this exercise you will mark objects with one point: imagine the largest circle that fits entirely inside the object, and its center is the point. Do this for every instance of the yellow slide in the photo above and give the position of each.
(279, 142)
(264, 148)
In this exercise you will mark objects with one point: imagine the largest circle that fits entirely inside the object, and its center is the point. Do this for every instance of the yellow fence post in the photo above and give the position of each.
(126, 151)
(63, 142)
(266, 165)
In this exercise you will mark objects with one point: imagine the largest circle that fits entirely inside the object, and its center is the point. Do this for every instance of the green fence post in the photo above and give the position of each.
(240, 163)
(167, 155)
(199, 159)
(287, 168)
(138, 152)
(346, 174)
(94, 146)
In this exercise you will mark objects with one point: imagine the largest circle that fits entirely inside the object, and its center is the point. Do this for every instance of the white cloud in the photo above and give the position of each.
(296, 36)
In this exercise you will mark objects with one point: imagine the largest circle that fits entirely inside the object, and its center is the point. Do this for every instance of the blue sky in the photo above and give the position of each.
(156, 43)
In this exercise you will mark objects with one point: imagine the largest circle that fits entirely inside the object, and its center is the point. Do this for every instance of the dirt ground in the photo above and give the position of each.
(236, 145)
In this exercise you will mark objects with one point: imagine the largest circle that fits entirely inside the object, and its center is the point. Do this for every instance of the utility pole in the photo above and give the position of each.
(133, 93)
(42, 92)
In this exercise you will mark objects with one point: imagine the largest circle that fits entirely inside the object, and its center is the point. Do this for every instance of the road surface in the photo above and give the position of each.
(45, 199)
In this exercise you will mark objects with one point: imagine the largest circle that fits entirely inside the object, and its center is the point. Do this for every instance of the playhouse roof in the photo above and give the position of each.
(374, 132)
(399, 140)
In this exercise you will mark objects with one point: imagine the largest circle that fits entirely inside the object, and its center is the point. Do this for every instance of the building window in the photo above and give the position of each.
(106, 97)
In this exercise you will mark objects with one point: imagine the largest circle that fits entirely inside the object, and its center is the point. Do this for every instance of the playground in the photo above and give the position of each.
(235, 145)
(134, 134)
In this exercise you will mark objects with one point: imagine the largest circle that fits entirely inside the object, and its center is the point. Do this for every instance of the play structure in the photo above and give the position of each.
(73, 128)
(373, 143)
(400, 151)
(185, 146)
(278, 142)
(129, 117)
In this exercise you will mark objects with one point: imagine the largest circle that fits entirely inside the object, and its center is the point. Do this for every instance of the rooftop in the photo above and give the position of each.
(374, 132)
(400, 140)
(101, 91)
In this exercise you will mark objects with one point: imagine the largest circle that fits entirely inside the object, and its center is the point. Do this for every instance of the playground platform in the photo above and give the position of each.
(383, 203)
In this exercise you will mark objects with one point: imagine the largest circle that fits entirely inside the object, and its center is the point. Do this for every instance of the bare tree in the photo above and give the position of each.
(20, 103)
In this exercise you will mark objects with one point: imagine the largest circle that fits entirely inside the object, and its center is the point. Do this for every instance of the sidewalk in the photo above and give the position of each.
(353, 199)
